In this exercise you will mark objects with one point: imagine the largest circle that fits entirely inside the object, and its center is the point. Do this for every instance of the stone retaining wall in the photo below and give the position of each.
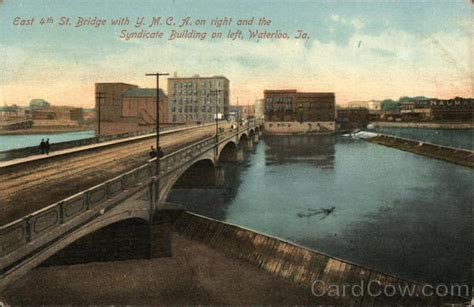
(292, 262)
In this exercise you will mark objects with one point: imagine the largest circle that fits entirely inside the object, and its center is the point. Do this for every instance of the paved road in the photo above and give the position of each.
(33, 186)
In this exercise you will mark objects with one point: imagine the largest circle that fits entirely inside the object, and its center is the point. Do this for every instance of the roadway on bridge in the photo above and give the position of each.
(33, 186)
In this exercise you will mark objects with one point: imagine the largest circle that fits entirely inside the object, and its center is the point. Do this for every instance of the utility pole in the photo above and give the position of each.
(238, 111)
(98, 98)
(248, 116)
(157, 75)
(215, 93)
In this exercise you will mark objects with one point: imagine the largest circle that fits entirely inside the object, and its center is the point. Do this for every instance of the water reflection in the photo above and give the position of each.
(212, 202)
(376, 206)
(317, 151)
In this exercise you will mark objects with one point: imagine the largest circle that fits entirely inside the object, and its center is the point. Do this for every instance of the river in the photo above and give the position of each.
(9, 142)
(379, 207)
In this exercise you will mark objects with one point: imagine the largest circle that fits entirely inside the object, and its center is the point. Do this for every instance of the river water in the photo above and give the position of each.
(379, 207)
(9, 142)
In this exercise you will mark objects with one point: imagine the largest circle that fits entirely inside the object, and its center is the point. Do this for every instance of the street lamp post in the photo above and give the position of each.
(157, 75)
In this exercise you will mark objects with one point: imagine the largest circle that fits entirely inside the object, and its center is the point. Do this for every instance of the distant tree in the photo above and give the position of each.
(39, 104)
(412, 99)
(405, 99)
(390, 105)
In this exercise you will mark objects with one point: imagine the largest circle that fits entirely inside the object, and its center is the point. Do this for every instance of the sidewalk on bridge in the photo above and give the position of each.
(64, 152)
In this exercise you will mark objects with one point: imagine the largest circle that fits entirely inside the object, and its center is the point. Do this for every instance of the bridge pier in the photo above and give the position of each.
(256, 139)
(248, 145)
(161, 225)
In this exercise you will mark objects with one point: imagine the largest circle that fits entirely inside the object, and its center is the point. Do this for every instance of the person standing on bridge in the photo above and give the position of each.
(46, 146)
(42, 146)
(152, 153)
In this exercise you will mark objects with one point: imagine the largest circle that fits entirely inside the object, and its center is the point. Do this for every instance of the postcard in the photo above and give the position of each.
(212, 152)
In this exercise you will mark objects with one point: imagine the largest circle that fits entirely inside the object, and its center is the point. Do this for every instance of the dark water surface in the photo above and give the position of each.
(383, 208)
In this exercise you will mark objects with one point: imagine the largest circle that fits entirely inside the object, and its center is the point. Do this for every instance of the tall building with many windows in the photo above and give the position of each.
(194, 99)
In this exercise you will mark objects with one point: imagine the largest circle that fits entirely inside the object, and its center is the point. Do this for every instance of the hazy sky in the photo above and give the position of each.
(360, 50)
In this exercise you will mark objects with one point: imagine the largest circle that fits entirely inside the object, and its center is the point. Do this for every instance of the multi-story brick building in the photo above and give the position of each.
(194, 99)
(123, 107)
(289, 111)
(452, 109)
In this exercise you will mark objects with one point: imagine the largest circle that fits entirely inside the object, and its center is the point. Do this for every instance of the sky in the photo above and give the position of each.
(360, 50)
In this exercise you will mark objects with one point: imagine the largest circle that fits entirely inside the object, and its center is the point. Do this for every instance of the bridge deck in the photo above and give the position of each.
(31, 186)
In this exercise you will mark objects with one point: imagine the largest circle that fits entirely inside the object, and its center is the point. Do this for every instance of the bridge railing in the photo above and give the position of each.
(27, 229)
(23, 231)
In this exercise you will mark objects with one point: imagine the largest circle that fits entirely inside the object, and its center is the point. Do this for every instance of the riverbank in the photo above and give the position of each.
(453, 155)
(214, 263)
(47, 130)
(430, 125)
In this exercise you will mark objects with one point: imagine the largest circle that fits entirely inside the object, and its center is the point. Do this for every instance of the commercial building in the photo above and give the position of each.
(11, 113)
(248, 111)
(194, 99)
(241, 112)
(458, 108)
(289, 111)
(371, 105)
(415, 110)
(123, 107)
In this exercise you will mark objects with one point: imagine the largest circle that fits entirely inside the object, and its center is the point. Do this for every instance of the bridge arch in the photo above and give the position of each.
(231, 152)
(183, 176)
(115, 215)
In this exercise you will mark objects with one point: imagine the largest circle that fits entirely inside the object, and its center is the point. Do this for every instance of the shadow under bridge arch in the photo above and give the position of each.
(121, 240)
(230, 152)
(201, 174)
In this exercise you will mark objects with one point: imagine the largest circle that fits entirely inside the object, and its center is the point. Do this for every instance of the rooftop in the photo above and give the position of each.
(142, 92)
(197, 77)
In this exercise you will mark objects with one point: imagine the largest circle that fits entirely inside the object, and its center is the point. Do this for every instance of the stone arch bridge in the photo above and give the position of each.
(137, 194)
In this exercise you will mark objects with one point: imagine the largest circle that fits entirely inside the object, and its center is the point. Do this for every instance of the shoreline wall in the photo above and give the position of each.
(286, 260)
(431, 125)
(462, 157)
